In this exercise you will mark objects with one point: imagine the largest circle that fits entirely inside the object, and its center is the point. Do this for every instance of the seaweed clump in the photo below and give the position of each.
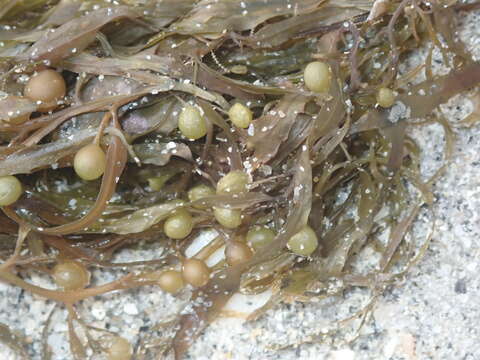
(279, 125)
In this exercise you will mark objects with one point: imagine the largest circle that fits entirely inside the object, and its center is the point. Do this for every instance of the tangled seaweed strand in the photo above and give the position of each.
(332, 160)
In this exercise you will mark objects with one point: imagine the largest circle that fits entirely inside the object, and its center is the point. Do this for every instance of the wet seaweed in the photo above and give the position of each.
(337, 160)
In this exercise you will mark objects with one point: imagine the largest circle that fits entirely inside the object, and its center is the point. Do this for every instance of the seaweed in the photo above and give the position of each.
(14, 341)
(336, 161)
